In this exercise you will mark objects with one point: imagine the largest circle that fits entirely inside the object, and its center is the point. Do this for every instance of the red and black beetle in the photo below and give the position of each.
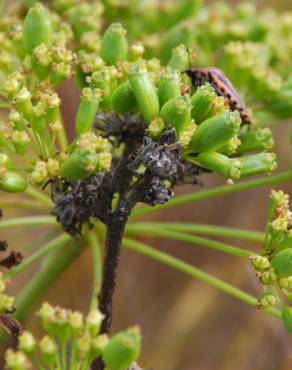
(222, 86)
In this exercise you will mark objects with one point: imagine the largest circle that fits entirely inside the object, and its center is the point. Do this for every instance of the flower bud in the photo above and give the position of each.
(123, 99)
(168, 87)
(84, 346)
(282, 263)
(93, 322)
(12, 182)
(122, 350)
(48, 350)
(255, 139)
(75, 321)
(257, 164)
(220, 163)
(114, 45)
(215, 132)
(144, 93)
(27, 342)
(20, 140)
(177, 112)
(16, 360)
(87, 110)
(268, 277)
(37, 27)
(99, 344)
(202, 101)
(269, 300)
(260, 262)
(156, 127)
(80, 164)
(102, 80)
(180, 58)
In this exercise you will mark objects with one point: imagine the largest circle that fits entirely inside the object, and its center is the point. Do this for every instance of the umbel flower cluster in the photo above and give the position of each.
(64, 328)
(274, 265)
(153, 114)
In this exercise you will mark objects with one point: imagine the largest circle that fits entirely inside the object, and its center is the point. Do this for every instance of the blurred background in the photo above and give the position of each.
(186, 325)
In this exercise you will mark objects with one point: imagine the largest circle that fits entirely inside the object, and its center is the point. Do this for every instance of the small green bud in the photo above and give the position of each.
(282, 263)
(114, 45)
(215, 132)
(20, 140)
(75, 321)
(49, 351)
(286, 314)
(16, 360)
(102, 80)
(257, 164)
(27, 342)
(80, 164)
(123, 99)
(220, 163)
(255, 139)
(177, 112)
(168, 87)
(84, 346)
(185, 136)
(37, 27)
(180, 58)
(260, 262)
(202, 101)
(268, 277)
(39, 173)
(269, 300)
(156, 127)
(99, 343)
(87, 109)
(122, 350)
(144, 93)
(12, 182)
(93, 322)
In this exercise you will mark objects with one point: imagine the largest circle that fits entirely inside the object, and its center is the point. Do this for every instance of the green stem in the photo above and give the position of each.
(97, 268)
(29, 221)
(39, 195)
(62, 136)
(49, 247)
(21, 203)
(227, 232)
(239, 252)
(214, 192)
(188, 269)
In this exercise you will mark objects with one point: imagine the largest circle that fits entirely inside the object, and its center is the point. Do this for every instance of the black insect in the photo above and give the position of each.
(222, 86)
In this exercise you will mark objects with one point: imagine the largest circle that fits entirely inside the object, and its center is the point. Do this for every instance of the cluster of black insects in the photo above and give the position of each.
(146, 172)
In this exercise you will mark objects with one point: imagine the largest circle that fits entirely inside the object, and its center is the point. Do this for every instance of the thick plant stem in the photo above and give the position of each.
(115, 231)
(221, 190)
(195, 272)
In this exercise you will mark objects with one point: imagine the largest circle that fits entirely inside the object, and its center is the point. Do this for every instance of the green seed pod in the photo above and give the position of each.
(282, 263)
(37, 27)
(202, 101)
(79, 165)
(12, 182)
(257, 164)
(182, 33)
(215, 132)
(255, 139)
(219, 163)
(286, 314)
(168, 87)
(123, 99)
(177, 112)
(114, 45)
(145, 93)
(122, 350)
(87, 110)
(179, 58)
